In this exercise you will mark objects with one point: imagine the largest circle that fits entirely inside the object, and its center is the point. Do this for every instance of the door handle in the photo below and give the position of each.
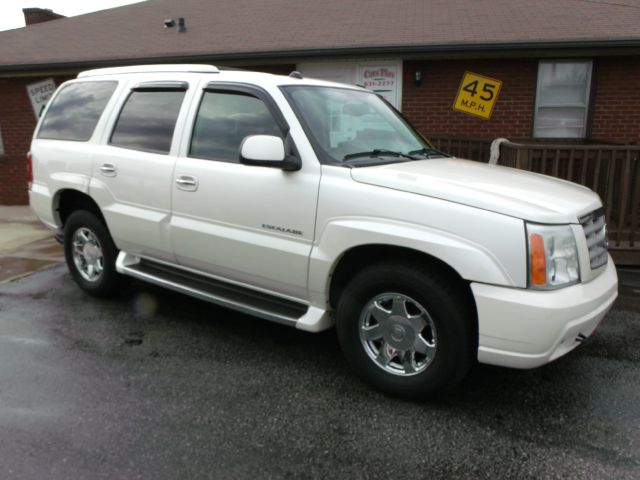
(108, 169)
(187, 183)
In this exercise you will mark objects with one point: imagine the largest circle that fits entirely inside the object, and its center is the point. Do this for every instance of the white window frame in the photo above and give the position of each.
(586, 105)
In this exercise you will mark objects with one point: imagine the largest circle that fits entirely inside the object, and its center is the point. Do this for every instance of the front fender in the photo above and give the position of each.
(469, 259)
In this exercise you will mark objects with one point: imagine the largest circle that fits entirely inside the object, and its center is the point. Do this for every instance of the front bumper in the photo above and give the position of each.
(525, 328)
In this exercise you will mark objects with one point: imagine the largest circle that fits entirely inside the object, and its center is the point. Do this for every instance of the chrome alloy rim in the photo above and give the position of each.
(398, 334)
(87, 254)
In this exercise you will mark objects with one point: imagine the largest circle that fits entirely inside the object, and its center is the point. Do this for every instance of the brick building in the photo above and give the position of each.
(569, 68)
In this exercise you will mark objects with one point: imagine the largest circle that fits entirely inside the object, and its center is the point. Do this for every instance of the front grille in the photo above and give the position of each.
(595, 229)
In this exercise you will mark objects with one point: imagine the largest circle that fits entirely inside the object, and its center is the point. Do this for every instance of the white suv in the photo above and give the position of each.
(311, 203)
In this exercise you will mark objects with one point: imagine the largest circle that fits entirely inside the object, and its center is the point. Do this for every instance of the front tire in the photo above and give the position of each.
(407, 331)
(91, 255)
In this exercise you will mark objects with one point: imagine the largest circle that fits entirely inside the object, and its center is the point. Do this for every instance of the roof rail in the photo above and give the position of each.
(189, 68)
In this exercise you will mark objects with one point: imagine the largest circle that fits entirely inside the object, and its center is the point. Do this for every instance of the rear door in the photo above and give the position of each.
(132, 177)
(249, 224)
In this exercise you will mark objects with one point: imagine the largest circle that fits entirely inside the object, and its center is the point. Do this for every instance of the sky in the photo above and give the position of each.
(11, 10)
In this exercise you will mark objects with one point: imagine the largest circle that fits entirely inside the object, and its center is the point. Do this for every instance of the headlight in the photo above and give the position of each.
(553, 256)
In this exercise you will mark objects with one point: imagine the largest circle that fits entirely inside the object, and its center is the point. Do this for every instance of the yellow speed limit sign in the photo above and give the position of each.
(477, 95)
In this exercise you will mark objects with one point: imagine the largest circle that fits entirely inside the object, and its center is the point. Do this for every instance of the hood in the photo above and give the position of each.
(505, 190)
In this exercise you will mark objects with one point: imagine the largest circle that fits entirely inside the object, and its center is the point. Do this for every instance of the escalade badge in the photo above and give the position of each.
(275, 228)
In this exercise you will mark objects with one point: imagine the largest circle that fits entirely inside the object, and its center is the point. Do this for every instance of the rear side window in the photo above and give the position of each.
(224, 120)
(75, 111)
(147, 120)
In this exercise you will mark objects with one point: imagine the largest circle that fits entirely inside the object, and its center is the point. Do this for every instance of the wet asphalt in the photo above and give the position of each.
(156, 385)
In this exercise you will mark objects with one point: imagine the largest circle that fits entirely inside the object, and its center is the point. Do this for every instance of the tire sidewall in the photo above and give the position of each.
(84, 219)
(451, 323)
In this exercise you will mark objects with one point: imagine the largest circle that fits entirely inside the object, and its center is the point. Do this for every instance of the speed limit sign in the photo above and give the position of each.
(477, 95)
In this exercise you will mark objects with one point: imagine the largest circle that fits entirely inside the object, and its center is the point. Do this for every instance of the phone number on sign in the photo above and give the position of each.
(378, 83)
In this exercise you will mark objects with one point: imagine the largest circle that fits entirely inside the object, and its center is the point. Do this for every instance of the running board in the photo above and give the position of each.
(248, 301)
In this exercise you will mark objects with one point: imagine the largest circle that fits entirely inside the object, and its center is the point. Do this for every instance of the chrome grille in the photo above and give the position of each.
(595, 230)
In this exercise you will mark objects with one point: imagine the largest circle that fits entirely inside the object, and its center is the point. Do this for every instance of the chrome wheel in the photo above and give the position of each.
(87, 254)
(398, 334)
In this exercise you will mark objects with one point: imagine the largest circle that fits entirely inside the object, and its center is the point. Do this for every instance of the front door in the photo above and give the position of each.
(248, 224)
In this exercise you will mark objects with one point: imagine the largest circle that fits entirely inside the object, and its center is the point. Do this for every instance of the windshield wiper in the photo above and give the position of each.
(378, 152)
(428, 152)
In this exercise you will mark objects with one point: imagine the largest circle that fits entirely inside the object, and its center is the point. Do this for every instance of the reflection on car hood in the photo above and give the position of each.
(509, 191)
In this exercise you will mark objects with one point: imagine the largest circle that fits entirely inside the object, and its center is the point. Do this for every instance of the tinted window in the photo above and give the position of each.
(224, 120)
(147, 120)
(75, 111)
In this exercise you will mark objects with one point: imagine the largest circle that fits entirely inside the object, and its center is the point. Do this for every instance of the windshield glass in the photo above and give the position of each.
(353, 126)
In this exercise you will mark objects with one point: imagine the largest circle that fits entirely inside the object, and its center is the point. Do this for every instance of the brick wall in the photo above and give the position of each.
(17, 122)
(616, 106)
(429, 106)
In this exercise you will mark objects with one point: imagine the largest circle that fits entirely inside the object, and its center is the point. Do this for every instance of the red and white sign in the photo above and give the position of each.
(382, 76)
(384, 79)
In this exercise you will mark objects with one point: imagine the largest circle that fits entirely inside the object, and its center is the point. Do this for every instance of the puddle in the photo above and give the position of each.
(30, 258)
(134, 339)
(47, 248)
(23, 340)
(12, 267)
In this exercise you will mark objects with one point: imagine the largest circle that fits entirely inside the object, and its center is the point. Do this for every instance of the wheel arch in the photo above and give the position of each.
(357, 258)
(68, 200)
(353, 239)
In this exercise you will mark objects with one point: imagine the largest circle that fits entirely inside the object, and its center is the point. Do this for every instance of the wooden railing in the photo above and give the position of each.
(613, 171)
(470, 148)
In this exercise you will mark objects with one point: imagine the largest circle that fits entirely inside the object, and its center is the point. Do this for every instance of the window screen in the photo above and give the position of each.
(75, 111)
(147, 120)
(563, 99)
(224, 120)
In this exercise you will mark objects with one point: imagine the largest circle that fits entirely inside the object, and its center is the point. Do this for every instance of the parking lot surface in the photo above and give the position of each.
(157, 385)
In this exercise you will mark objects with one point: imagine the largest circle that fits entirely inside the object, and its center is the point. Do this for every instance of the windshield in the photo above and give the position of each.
(355, 127)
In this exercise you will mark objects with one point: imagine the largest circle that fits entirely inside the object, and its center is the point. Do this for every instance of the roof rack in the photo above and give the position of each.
(189, 68)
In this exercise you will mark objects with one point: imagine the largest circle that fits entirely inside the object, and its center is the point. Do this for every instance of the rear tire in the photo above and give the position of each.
(91, 255)
(407, 331)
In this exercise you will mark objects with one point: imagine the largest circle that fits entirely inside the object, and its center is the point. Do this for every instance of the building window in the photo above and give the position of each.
(562, 100)
(1, 144)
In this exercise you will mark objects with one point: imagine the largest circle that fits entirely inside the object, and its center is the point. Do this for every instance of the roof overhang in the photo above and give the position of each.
(539, 49)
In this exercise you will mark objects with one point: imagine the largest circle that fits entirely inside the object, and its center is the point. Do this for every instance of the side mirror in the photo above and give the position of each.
(267, 151)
